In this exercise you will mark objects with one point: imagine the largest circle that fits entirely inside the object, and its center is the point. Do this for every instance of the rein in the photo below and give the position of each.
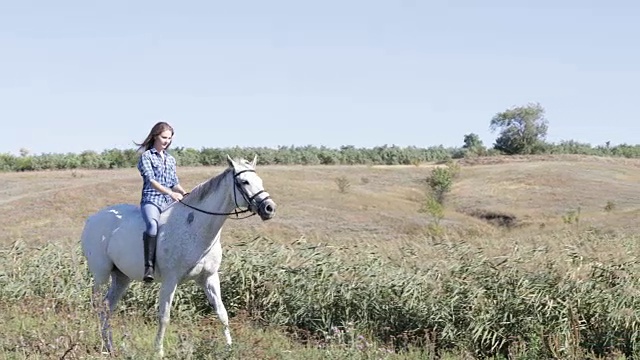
(248, 199)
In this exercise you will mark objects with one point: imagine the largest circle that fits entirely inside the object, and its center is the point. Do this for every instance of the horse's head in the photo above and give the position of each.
(249, 191)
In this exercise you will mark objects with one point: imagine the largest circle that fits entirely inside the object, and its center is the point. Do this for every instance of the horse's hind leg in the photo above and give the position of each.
(100, 278)
(211, 287)
(119, 285)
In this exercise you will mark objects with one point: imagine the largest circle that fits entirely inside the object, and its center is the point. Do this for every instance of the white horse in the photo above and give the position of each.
(188, 243)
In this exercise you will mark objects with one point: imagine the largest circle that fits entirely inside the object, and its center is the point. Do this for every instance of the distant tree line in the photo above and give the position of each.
(285, 155)
(306, 155)
(522, 131)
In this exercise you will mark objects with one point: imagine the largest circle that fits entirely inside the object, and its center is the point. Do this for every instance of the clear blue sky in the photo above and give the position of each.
(89, 75)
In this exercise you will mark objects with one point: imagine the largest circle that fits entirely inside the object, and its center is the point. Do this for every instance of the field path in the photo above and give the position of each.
(10, 199)
(19, 186)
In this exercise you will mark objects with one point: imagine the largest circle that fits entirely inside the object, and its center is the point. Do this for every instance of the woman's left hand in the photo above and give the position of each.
(176, 196)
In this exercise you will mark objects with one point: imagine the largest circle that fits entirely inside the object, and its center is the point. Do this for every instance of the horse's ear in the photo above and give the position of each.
(230, 161)
(255, 160)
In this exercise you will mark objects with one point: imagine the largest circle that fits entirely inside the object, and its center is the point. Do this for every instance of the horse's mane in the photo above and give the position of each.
(201, 190)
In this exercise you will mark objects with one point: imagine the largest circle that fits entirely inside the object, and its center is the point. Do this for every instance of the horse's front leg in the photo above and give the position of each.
(211, 287)
(167, 291)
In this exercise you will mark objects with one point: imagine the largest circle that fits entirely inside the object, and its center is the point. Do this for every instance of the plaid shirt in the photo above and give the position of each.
(152, 167)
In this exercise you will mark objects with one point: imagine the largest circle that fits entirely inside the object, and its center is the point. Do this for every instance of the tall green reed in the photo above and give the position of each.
(541, 305)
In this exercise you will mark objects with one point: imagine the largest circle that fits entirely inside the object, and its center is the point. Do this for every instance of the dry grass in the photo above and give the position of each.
(381, 204)
(380, 209)
(379, 212)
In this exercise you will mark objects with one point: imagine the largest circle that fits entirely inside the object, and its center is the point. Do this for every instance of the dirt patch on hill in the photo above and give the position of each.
(493, 217)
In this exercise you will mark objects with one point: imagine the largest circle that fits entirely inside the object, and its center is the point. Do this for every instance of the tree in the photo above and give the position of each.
(522, 129)
(472, 141)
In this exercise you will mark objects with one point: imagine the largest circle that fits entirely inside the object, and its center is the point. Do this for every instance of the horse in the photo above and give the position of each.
(188, 243)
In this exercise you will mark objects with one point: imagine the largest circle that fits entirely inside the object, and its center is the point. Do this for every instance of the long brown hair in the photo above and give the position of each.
(156, 130)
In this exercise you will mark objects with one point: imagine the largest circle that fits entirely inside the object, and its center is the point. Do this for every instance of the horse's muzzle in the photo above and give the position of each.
(267, 209)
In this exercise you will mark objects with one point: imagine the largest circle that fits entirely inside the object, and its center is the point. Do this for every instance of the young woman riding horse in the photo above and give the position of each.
(160, 186)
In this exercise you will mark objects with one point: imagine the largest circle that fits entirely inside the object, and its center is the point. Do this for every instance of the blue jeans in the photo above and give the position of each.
(151, 215)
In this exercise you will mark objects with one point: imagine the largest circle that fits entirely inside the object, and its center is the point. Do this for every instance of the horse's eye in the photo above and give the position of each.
(245, 182)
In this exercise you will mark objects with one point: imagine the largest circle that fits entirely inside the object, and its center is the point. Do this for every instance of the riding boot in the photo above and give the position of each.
(149, 256)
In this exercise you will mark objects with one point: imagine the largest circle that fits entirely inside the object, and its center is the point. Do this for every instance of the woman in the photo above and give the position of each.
(160, 187)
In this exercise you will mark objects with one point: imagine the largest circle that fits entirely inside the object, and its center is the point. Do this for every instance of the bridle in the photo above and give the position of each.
(245, 195)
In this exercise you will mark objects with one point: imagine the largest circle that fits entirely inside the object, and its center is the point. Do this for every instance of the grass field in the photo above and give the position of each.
(358, 273)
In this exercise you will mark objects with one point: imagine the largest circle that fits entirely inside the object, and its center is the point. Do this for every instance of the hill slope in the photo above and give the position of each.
(380, 202)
